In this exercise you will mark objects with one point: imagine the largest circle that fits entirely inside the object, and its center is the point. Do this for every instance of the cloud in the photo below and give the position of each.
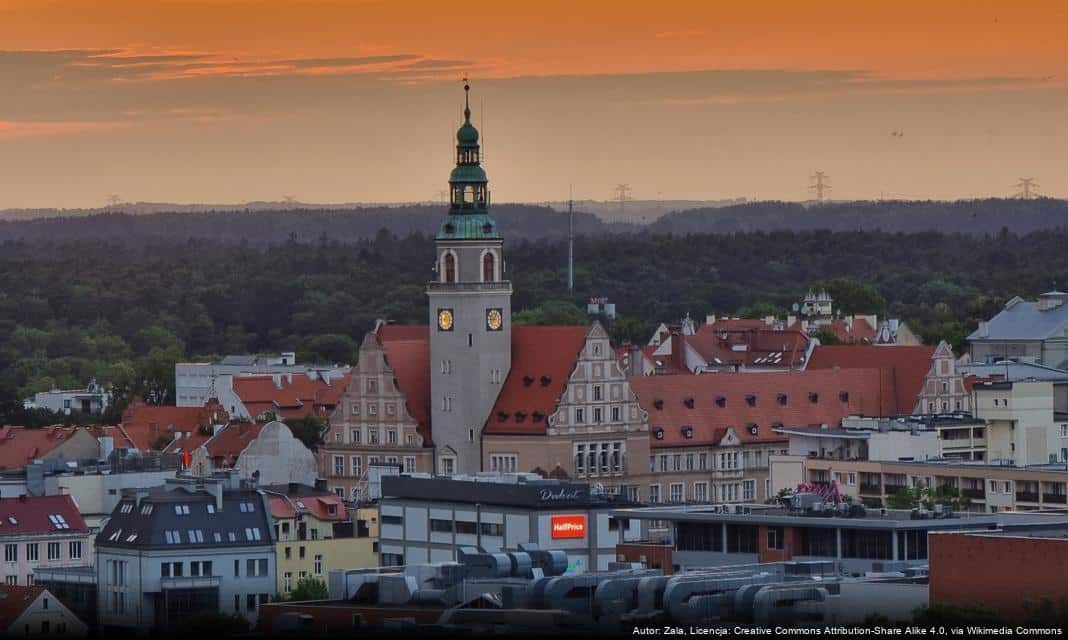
(10, 129)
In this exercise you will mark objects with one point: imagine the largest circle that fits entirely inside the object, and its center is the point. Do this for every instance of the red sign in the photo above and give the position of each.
(569, 526)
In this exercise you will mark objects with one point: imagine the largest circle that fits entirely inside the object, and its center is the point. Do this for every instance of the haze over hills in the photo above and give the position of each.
(269, 223)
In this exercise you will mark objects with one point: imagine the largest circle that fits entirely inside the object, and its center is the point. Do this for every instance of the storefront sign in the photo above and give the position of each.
(571, 526)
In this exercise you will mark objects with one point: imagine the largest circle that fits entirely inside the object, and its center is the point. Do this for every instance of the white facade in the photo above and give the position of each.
(196, 382)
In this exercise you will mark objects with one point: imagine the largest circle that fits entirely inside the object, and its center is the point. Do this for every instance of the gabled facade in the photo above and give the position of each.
(567, 411)
(383, 415)
(943, 389)
(41, 532)
(29, 612)
(1029, 331)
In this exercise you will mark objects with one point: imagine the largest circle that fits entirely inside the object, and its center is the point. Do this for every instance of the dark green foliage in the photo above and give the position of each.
(309, 588)
(308, 430)
(121, 298)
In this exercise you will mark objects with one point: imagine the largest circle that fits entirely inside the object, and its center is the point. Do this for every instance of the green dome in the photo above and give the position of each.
(468, 173)
(467, 134)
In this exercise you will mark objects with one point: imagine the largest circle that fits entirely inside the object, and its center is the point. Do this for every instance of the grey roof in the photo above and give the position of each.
(151, 522)
(1023, 320)
(894, 518)
(1015, 371)
(239, 360)
(853, 434)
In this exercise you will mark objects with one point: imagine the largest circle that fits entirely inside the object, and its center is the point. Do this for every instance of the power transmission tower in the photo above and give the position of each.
(443, 196)
(289, 199)
(821, 184)
(622, 194)
(570, 239)
(113, 201)
(1027, 188)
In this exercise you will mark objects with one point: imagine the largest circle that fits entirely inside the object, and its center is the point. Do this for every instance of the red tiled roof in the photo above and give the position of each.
(543, 358)
(765, 346)
(909, 366)
(316, 505)
(293, 396)
(31, 514)
(144, 424)
(231, 441)
(862, 332)
(13, 602)
(867, 395)
(407, 349)
(19, 445)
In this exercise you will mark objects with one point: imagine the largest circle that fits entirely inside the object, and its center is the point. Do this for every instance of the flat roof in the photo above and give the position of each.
(894, 518)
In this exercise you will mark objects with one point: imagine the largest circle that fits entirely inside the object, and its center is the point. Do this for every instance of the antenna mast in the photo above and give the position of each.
(570, 239)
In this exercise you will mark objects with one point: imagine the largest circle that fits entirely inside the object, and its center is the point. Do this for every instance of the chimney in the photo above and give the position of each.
(678, 351)
(984, 329)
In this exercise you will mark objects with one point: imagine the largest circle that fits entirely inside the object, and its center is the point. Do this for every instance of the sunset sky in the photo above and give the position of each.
(228, 101)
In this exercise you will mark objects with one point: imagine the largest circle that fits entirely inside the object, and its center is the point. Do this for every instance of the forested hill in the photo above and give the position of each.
(259, 227)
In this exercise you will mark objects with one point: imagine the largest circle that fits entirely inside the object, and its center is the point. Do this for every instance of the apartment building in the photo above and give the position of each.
(38, 532)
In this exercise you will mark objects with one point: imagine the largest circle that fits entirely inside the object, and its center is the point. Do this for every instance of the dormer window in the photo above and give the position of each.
(520, 416)
(502, 416)
(752, 428)
(537, 416)
(527, 381)
(546, 381)
(721, 401)
(813, 397)
(687, 432)
(658, 433)
(782, 399)
(658, 404)
(688, 402)
(843, 396)
(750, 400)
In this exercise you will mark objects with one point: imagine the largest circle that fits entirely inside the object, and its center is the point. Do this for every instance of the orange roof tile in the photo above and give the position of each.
(289, 395)
(34, 514)
(144, 424)
(407, 350)
(13, 602)
(228, 444)
(317, 505)
(543, 358)
(709, 403)
(19, 445)
(909, 366)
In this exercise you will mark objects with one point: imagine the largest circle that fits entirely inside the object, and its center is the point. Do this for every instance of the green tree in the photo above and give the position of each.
(308, 430)
(330, 348)
(825, 337)
(309, 588)
(955, 615)
(553, 312)
(760, 310)
(853, 297)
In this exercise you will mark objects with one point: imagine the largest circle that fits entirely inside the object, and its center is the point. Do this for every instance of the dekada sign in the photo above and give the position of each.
(572, 526)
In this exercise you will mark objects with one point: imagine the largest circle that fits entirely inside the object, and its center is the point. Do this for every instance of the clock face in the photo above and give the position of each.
(445, 319)
(494, 319)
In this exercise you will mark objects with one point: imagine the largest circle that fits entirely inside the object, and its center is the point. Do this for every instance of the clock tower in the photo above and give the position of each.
(470, 313)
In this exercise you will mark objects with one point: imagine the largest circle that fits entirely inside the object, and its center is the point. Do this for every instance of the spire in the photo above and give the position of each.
(467, 100)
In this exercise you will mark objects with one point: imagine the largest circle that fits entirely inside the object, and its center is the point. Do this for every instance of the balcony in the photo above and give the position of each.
(891, 489)
(870, 489)
(1026, 496)
(190, 582)
(1055, 498)
(469, 286)
(974, 494)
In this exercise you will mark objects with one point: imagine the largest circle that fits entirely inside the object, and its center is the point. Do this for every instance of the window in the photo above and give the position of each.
(409, 464)
(448, 467)
(775, 537)
(372, 436)
(287, 581)
(597, 394)
(748, 489)
(1007, 486)
(372, 409)
(597, 414)
(580, 416)
(993, 486)
(12, 580)
(53, 551)
(676, 492)
(181, 509)
(663, 463)
(318, 564)
(237, 568)
(654, 493)
(702, 461)
(391, 436)
(289, 553)
(339, 466)
(462, 526)
(615, 414)
(487, 268)
(503, 463)
(11, 553)
(676, 462)
(1064, 430)
(440, 526)
(851, 479)
(32, 553)
(492, 529)
(450, 268)
(252, 533)
(250, 602)
(700, 492)
(357, 466)
(75, 549)
(354, 436)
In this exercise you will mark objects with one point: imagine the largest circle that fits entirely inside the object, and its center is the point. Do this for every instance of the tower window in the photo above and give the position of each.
(469, 195)
(488, 268)
(450, 267)
(470, 340)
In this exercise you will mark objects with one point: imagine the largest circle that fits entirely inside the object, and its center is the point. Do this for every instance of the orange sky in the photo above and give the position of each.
(335, 100)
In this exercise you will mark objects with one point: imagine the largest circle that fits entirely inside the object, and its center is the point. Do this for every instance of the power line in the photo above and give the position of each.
(1027, 188)
(820, 185)
(621, 195)
(570, 238)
